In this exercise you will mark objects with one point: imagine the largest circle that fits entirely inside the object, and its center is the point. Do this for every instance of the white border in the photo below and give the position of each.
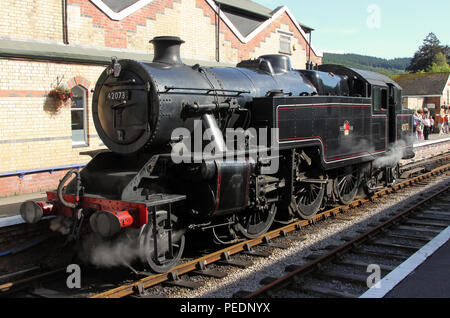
(407, 267)
(244, 39)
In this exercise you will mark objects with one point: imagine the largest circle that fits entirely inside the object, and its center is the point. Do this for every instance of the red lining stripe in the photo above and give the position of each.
(219, 180)
(325, 106)
(320, 138)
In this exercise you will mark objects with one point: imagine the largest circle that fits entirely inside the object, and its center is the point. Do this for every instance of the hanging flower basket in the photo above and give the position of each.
(58, 97)
(61, 93)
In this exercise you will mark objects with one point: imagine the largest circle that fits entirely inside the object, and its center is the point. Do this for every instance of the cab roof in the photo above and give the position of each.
(369, 77)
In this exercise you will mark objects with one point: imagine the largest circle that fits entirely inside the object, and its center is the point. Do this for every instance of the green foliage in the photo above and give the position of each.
(439, 64)
(369, 63)
(431, 57)
(425, 57)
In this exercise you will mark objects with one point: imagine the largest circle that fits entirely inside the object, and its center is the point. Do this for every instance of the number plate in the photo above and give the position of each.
(117, 95)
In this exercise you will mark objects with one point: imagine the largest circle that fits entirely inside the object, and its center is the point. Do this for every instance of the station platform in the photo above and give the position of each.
(431, 279)
(426, 274)
(433, 138)
(10, 207)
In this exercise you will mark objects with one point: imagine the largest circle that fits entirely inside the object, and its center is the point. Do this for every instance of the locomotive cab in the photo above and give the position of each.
(388, 115)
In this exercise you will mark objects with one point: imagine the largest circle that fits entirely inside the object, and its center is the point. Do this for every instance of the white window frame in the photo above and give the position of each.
(285, 37)
(83, 143)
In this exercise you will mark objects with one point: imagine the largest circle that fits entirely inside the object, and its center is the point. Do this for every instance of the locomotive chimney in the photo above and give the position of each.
(167, 49)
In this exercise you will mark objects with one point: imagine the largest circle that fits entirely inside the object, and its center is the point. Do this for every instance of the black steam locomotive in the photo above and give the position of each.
(301, 140)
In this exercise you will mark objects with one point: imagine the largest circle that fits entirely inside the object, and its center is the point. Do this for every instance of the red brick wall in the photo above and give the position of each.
(116, 31)
(30, 183)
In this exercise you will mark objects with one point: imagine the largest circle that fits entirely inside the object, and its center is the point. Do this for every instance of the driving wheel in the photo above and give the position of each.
(255, 222)
(167, 254)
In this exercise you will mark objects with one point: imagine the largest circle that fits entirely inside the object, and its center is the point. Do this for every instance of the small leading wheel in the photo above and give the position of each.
(165, 258)
(394, 174)
(347, 187)
(307, 199)
(254, 223)
(370, 185)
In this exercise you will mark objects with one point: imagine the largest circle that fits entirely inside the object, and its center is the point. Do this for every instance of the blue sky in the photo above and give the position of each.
(382, 28)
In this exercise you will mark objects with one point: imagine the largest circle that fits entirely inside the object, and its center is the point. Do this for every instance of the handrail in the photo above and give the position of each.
(22, 173)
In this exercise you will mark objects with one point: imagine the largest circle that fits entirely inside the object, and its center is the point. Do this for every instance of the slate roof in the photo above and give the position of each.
(245, 24)
(422, 84)
(247, 15)
(119, 5)
(305, 28)
(247, 6)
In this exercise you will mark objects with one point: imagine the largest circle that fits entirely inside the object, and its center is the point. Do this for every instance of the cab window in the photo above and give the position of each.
(398, 100)
(380, 99)
(395, 98)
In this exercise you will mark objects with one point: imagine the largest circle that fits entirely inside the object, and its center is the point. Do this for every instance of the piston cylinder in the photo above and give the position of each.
(32, 212)
(108, 224)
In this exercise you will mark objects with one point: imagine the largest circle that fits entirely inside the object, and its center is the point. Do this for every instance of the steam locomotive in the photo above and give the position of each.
(172, 167)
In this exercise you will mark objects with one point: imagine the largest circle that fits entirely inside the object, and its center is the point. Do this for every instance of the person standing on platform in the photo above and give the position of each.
(446, 123)
(431, 124)
(441, 125)
(426, 126)
(416, 120)
(419, 127)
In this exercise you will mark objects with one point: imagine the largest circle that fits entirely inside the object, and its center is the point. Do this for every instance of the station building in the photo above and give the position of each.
(426, 90)
(51, 44)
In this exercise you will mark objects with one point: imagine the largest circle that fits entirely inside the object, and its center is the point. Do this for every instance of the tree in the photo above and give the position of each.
(423, 58)
(439, 64)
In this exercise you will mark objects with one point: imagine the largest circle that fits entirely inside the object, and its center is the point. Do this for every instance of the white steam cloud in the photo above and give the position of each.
(394, 155)
(109, 253)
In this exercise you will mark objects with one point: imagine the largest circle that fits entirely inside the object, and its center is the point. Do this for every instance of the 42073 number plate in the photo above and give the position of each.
(118, 95)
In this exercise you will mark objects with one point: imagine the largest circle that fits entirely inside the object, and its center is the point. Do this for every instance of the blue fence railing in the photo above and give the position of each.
(22, 173)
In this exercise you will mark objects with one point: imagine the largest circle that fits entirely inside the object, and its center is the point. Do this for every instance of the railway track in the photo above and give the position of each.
(343, 271)
(225, 256)
(202, 266)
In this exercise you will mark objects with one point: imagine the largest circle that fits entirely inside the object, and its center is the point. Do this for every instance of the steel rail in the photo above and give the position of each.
(339, 251)
(23, 283)
(150, 281)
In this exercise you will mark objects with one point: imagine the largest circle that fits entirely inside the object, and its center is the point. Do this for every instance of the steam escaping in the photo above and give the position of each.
(393, 156)
(352, 144)
(61, 224)
(102, 252)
